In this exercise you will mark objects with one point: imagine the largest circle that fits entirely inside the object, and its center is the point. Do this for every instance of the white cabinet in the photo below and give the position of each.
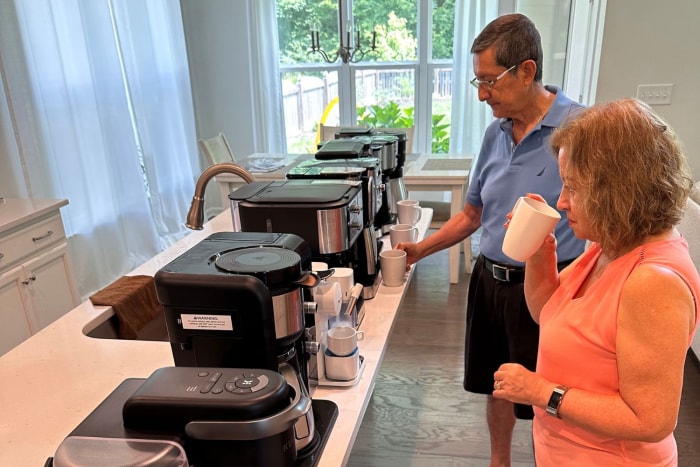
(14, 306)
(36, 278)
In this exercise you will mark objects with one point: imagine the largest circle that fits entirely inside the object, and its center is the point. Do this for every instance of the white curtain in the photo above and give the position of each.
(269, 122)
(101, 106)
(469, 116)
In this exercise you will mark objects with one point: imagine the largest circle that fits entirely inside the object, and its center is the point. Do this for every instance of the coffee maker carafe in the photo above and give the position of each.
(236, 300)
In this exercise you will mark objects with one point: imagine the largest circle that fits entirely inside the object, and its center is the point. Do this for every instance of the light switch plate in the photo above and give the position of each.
(655, 94)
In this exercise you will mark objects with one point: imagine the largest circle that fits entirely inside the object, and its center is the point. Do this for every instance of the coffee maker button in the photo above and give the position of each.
(248, 382)
(215, 377)
(203, 374)
(262, 383)
(206, 388)
(217, 390)
(241, 391)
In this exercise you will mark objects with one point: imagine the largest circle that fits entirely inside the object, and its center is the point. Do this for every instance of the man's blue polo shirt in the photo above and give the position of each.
(504, 171)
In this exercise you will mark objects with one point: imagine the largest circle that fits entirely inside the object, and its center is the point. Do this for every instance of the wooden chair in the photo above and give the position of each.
(327, 132)
(216, 149)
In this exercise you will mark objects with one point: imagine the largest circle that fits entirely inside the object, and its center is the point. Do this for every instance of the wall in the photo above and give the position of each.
(653, 42)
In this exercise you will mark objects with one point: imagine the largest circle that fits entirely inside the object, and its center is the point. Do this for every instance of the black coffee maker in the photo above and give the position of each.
(235, 300)
(389, 146)
(327, 213)
(366, 250)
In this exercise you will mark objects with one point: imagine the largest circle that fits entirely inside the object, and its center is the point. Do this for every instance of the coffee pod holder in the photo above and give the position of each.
(325, 315)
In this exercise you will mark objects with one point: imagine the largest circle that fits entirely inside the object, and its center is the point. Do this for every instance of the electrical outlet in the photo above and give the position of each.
(655, 94)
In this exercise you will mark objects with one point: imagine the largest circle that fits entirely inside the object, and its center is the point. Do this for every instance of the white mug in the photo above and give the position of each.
(342, 340)
(530, 223)
(402, 233)
(392, 264)
(409, 211)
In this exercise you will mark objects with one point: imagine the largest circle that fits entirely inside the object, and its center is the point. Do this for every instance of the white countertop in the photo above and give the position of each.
(52, 381)
(18, 211)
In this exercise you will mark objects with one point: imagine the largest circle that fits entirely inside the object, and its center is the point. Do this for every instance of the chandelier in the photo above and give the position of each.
(348, 51)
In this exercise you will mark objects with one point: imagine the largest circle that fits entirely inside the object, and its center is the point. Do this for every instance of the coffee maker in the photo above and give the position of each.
(396, 188)
(389, 145)
(367, 171)
(327, 213)
(236, 300)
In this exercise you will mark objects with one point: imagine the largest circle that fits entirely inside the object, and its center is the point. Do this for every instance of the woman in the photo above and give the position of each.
(616, 324)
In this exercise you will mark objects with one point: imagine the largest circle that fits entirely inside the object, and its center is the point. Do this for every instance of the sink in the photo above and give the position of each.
(154, 330)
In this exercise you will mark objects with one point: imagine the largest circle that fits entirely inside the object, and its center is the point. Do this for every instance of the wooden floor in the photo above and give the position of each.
(419, 415)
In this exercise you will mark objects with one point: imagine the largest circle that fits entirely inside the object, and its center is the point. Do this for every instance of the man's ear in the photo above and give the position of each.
(528, 68)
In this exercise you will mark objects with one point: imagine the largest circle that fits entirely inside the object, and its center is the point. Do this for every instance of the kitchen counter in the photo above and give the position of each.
(53, 380)
(18, 211)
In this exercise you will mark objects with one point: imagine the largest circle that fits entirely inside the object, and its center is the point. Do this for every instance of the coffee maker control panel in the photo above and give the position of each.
(177, 395)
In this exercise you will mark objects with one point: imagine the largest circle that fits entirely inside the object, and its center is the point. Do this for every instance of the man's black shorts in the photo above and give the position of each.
(499, 330)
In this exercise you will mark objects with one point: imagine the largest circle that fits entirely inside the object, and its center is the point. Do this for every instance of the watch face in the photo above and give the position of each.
(555, 400)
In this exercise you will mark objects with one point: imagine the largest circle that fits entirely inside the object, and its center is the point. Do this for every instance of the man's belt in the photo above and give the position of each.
(513, 274)
(505, 272)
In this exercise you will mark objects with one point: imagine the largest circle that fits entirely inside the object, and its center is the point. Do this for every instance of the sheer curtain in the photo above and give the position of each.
(469, 116)
(269, 122)
(101, 106)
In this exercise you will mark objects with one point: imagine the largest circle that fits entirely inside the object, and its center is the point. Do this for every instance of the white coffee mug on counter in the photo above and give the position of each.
(342, 340)
(402, 233)
(392, 264)
(531, 222)
(409, 211)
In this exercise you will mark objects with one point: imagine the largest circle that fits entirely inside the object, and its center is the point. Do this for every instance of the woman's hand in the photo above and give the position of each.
(517, 384)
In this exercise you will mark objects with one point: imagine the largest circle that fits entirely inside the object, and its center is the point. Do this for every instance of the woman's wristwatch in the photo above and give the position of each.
(555, 400)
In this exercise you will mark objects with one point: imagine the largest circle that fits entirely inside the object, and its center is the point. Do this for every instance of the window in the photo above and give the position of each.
(406, 81)
(378, 88)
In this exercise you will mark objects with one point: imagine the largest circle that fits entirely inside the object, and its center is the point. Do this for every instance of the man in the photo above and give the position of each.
(514, 159)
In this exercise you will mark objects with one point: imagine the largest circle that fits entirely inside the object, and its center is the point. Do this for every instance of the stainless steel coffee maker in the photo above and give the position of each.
(390, 145)
(328, 214)
(396, 187)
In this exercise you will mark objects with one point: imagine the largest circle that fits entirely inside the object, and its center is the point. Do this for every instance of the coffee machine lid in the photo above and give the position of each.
(398, 132)
(346, 132)
(312, 192)
(346, 148)
(273, 266)
(333, 168)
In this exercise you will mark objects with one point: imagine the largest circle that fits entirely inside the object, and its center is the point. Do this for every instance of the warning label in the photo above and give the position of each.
(213, 322)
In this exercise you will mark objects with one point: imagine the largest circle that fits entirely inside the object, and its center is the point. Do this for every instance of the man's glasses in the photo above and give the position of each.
(477, 83)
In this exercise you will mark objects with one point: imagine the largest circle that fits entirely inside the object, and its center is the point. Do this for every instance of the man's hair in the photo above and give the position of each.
(628, 169)
(514, 38)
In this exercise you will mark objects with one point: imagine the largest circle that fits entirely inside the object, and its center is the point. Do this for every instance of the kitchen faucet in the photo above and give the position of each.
(195, 216)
